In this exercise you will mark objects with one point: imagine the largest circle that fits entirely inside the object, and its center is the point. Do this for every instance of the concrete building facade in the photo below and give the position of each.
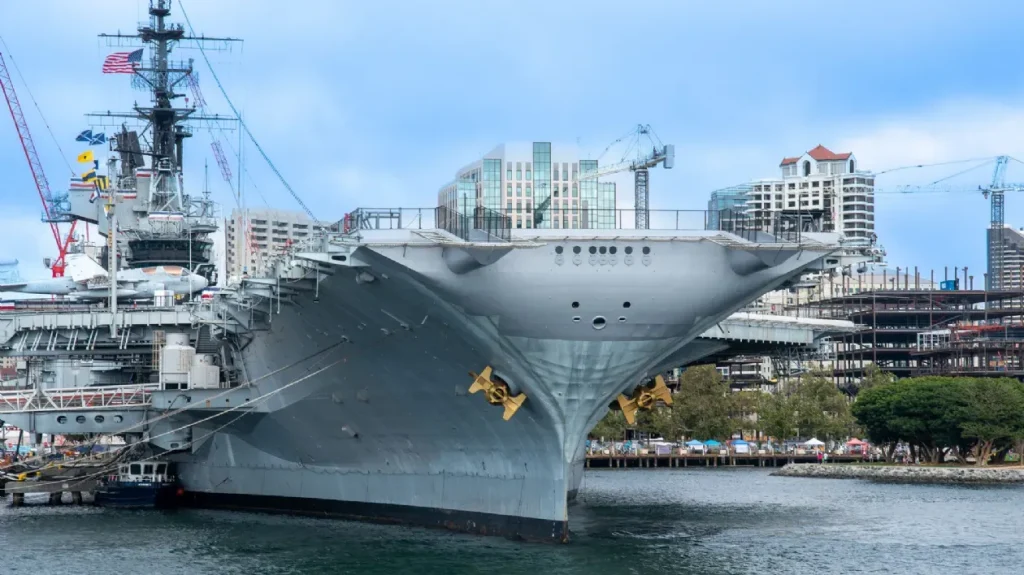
(822, 186)
(1005, 272)
(268, 232)
(535, 187)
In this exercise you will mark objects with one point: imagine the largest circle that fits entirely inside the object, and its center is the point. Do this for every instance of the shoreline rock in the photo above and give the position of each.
(905, 473)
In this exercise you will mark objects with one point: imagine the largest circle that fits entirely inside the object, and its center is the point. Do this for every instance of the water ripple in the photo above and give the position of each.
(720, 521)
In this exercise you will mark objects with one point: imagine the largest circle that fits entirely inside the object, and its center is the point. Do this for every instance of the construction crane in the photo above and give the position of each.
(995, 231)
(36, 167)
(996, 192)
(640, 140)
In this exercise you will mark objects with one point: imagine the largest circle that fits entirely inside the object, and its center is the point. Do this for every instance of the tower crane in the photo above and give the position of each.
(36, 167)
(640, 140)
(995, 231)
(996, 192)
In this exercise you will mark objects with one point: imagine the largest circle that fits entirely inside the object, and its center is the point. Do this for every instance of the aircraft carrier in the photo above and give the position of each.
(421, 366)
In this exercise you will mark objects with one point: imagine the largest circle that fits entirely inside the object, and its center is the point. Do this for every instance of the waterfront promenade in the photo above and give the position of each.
(676, 459)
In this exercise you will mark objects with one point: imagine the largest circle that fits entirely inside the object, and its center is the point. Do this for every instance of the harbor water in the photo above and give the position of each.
(676, 521)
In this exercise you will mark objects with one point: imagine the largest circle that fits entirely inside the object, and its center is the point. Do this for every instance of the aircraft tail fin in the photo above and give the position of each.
(81, 267)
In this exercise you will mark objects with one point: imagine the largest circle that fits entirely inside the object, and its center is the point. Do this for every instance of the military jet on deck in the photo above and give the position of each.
(88, 281)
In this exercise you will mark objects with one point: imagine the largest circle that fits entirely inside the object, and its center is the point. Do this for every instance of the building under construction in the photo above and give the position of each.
(917, 327)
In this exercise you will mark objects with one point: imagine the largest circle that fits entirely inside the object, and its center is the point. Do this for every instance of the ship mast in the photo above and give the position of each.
(164, 121)
(165, 222)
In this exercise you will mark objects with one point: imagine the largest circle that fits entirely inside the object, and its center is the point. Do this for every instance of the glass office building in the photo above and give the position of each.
(536, 186)
(733, 198)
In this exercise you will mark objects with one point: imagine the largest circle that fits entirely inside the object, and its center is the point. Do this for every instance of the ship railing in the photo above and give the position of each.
(485, 224)
(77, 398)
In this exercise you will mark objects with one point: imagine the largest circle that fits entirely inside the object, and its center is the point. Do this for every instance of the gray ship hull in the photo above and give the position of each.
(391, 433)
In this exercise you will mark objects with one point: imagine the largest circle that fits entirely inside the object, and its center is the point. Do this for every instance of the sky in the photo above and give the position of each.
(376, 104)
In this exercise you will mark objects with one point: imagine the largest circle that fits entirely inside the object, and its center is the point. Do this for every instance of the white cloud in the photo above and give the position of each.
(949, 131)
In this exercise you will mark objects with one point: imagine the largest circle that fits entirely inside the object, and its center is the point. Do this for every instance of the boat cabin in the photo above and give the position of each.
(144, 472)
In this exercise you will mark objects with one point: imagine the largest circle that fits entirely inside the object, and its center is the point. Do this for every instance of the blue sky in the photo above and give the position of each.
(378, 103)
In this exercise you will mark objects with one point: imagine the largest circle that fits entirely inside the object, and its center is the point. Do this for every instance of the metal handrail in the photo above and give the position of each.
(81, 398)
(496, 225)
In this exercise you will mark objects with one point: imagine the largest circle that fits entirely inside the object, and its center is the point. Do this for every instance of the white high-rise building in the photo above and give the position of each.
(820, 185)
(535, 187)
(271, 232)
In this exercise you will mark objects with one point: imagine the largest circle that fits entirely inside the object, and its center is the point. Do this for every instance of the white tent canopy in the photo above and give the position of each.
(814, 442)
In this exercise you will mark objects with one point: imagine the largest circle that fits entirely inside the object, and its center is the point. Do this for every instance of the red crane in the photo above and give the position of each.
(36, 167)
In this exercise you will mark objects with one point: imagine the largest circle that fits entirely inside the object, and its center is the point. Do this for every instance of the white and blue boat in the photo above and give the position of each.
(139, 485)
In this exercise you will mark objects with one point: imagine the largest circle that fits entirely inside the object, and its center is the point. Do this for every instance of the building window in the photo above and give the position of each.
(529, 207)
(529, 191)
(807, 168)
(528, 174)
(508, 190)
(575, 192)
(508, 174)
(519, 190)
(555, 177)
(519, 174)
(519, 207)
(508, 206)
(529, 223)
(851, 167)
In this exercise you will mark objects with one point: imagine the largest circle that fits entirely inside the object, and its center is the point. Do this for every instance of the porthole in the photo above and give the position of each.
(575, 304)
(558, 250)
(118, 419)
(612, 250)
(593, 250)
(626, 304)
(603, 249)
(576, 249)
(647, 250)
(629, 250)
(576, 319)
(599, 322)
(98, 419)
(62, 419)
(622, 319)
(80, 419)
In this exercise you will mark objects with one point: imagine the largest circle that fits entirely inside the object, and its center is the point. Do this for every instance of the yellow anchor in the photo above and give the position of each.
(644, 397)
(496, 392)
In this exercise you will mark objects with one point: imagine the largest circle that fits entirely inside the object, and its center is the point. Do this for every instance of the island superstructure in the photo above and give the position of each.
(427, 366)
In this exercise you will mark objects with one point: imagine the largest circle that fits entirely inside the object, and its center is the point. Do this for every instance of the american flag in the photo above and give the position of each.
(122, 62)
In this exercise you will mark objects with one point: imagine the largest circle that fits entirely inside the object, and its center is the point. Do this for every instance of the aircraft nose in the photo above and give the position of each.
(202, 283)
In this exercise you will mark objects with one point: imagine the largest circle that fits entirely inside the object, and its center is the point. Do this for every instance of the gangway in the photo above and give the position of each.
(82, 398)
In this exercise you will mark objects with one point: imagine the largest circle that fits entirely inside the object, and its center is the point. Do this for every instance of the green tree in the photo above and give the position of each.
(925, 414)
(821, 409)
(874, 411)
(743, 408)
(776, 416)
(993, 412)
(612, 426)
(874, 376)
(701, 407)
